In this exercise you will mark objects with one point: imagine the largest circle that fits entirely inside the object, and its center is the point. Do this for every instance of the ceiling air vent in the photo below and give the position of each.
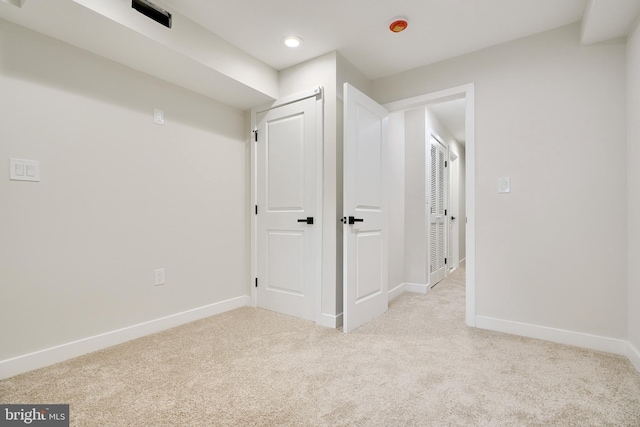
(154, 12)
(17, 3)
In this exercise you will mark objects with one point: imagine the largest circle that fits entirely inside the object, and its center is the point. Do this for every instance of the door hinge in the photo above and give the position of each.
(256, 209)
(256, 282)
(255, 135)
(445, 212)
(445, 261)
(445, 162)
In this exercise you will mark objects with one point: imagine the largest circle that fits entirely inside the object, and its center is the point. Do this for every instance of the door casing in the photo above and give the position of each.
(466, 91)
(454, 209)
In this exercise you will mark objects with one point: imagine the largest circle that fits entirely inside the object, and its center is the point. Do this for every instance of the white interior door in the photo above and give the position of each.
(288, 230)
(365, 209)
(437, 210)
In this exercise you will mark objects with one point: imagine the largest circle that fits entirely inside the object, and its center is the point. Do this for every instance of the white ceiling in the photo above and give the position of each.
(451, 115)
(358, 29)
(231, 50)
(605, 20)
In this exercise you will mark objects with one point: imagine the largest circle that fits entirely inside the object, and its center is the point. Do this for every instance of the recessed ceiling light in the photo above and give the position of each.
(292, 41)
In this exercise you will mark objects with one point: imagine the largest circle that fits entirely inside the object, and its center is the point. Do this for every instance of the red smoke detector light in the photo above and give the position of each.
(398, 26)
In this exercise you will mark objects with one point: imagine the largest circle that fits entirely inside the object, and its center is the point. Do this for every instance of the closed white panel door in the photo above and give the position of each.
(437, 211)
(365, 209)
(287, 227)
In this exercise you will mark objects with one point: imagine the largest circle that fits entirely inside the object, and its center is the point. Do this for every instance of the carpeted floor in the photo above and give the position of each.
(417, 365)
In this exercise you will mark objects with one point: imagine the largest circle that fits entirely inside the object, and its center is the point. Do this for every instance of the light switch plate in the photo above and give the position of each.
(158, 116)
(504, 185)
(24, 170)
(159, 276)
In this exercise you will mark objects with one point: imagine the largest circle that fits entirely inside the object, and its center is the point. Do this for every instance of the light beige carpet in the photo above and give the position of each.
(418, 365)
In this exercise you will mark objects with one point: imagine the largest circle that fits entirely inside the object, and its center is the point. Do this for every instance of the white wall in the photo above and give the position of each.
(550, 114)
(633, 160)
(416, 233)
(396, 201)
(119, 196)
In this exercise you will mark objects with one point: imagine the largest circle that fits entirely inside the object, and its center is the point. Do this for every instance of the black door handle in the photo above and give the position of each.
(353, 220)
(308, 220)
(452, 218)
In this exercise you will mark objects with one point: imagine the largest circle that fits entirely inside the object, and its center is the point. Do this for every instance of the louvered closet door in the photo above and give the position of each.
(437, 210)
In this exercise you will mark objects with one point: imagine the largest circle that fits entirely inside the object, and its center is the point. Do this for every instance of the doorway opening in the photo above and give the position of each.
(465, 92)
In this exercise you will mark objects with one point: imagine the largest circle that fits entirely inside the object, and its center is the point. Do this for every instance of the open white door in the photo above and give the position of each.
(365, 209)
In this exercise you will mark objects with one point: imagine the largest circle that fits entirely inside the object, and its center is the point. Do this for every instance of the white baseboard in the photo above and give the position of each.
(407, 287)
(396, 292)
(60, 353)
(330, 320)
(633, 355)
(593, 342)
(417, 288)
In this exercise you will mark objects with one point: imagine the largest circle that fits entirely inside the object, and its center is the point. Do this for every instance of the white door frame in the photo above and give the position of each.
(468, 92)
(318, 93)
(454, 208)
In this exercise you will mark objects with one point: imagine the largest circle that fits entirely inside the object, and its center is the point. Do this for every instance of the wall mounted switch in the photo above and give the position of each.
(24, 170)
(158, 116)
(159, 274)
(504, 185)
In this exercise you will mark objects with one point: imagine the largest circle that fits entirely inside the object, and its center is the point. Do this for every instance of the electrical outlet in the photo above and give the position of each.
(159, 276)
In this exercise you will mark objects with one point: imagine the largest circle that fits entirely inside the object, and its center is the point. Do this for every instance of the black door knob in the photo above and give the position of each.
(353, 220)
(308, 220)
